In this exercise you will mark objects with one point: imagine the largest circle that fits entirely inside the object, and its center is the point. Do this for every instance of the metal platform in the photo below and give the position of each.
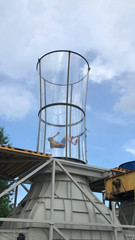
(13, 164)
(13, 161)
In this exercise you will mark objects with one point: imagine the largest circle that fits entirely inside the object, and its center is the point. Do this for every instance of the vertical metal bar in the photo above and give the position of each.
(85, 118)
(123, 215)
(86, 89)
(51, 232)
(103, 197)
(67, 102)
(78, 147)
(114, 220)
(133, 219)
(16, 193)
(85, 135)
(52, 190)
(45, 116)
(40, 78)
(39, 128)
(70, 119)
(52, 201)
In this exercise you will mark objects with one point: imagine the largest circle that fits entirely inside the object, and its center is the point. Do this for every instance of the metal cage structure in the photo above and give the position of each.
(63, 77)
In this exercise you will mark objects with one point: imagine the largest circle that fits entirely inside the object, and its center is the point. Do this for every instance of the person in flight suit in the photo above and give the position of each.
(62, 143)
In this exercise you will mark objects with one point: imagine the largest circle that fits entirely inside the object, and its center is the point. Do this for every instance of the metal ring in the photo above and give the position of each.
(67, 51)
(64, 104)
(63, 51)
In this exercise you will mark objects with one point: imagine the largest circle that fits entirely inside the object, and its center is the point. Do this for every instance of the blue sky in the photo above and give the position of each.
(104, 33)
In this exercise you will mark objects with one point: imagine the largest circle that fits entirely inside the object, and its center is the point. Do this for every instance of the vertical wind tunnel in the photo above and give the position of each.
(60, 203)
(63, 77)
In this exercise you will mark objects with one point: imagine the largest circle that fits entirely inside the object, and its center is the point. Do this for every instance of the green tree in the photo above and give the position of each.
(6, 201)
(4, 139)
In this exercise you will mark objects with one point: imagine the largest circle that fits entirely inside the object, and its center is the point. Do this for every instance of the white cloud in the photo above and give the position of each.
(100, 71)
(15, 102)
(112, 118)
(126, 103)
(130, 147)
(88, 107)
(130, 150)
(30, 29)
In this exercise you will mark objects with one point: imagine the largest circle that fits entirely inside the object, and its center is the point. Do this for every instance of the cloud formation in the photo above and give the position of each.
(126, 88)
(130, 147)
(112, 118)
(101, 71)
(31, 28)
(16, 102)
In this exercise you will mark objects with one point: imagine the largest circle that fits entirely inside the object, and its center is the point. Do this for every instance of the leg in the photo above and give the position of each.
(70, 140)
(75, 142)
(63, 140)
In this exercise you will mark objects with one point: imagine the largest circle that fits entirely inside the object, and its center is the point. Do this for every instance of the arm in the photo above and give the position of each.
(55, 135)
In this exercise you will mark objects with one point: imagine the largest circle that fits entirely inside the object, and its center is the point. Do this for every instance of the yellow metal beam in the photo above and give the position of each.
(120, 186)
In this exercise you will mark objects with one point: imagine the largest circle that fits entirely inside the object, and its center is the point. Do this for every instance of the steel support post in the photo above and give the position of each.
(52, 201)
(40, 106)
(79, 154)
(85, 135)
(67, 102)
(52, 191)
(114, 220)
(51, 232)
(15, 199)
(85, 118)
(44, 147)
(124, 217)
(133, 219)
(70, 120)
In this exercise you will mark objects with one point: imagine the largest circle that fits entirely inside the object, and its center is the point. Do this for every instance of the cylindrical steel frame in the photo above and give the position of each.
(64, 104)
(68, 104)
